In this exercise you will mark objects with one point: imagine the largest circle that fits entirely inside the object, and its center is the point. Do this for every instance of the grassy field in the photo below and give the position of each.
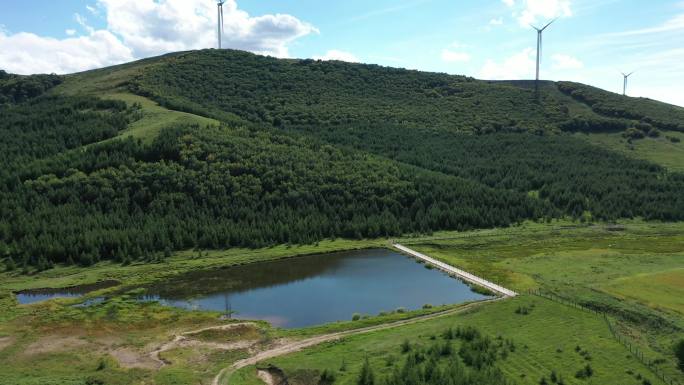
(659, 150)
(155, 118)
(110, 85)
(634, 270)
(546, 340)
(662, 290)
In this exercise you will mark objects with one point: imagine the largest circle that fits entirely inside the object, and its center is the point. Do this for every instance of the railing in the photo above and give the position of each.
(633, 348)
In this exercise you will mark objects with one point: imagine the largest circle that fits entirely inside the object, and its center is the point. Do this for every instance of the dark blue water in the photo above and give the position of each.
(312, 290)
(25, 297)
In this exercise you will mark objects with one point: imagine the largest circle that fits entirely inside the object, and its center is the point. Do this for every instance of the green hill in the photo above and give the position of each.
(215, 149)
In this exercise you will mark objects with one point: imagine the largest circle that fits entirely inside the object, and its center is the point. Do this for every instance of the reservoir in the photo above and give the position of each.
(317, 289)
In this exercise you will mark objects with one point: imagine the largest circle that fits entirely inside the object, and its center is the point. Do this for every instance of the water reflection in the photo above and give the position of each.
(311, 290)
(37, 295)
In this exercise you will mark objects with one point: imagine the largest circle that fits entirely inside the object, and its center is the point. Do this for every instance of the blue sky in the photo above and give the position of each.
(592, 41)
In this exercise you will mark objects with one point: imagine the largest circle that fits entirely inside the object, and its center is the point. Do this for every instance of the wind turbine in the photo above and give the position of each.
(220, 21)
(539, 49)
(624, 84)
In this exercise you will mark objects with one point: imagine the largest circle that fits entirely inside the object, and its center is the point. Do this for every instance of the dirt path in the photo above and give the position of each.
(181, 340)
(266, 377)
(291, 347)
(472, 278)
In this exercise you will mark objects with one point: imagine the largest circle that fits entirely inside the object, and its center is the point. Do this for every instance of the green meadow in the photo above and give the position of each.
(546, 340)
(632, 270)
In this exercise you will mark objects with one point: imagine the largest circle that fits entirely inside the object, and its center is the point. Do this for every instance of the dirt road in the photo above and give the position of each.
(291, 347)
(182, 340)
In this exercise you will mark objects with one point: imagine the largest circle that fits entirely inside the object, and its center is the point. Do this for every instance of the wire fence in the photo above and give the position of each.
(633, 348)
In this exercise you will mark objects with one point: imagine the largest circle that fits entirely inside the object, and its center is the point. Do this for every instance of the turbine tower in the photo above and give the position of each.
(624, 83)
(539, 49)
(220, 21)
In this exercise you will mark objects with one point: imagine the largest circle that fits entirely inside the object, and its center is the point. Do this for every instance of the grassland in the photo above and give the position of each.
(111, 84)
(663, 290)
(661, 150)
(155, 118)
(633, 270)
(546, 340)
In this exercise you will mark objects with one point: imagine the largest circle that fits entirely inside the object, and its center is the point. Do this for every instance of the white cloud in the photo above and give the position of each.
(83, 22)
(451, 56)
(497, 21)
(676, 23)
(518, 66)
(509, 3)
(70, 32)
(566, 62)
(142, 28)
(542, 11)
(27, 53)
(334, 54)
(92, 10)
(152, 27)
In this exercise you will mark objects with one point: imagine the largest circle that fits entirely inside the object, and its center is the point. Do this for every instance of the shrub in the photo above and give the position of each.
(585, 372)
(446, 350)
(356, 317)
(522, 310)
(679, 354)
(405, 346)
(553, 376)
(366, 377)
(10, 265)
(327, 378)
(481, 290)
(633, 133)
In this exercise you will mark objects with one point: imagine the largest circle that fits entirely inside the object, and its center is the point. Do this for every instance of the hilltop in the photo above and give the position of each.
(213, 149)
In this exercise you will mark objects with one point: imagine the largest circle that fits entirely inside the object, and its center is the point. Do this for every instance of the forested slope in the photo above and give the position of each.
(307, 150)
(658, 114)
(286, 93)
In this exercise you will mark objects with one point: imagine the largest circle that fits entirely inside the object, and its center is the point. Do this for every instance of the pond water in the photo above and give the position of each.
(37, 295)
(312, 290)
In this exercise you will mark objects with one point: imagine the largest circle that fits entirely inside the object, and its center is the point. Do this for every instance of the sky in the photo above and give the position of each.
(592, 41)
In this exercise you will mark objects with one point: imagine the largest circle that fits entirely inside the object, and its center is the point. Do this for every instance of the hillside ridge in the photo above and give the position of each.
(213, 149)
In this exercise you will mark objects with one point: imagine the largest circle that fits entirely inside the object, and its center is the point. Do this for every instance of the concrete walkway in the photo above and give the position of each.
(458, 272)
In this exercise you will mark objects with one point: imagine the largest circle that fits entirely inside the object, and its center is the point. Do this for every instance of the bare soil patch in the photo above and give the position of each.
(131, 358)
(6, 342)
(55, 343)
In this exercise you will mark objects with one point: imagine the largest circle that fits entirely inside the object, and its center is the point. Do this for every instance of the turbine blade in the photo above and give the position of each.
(547, 25)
